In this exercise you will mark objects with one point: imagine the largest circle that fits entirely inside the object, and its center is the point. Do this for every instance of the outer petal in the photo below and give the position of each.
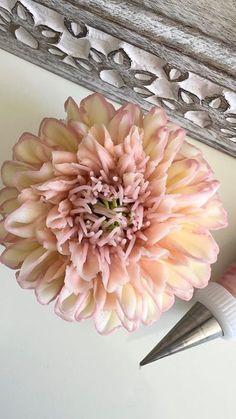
(180, 174)
(211, 216)
(154, 272)
(96, 110)
(34, 267)
(68, 304)
(87, 309)
(29, 149)
(15, 254)
(57, 134)
(7, 193)
(151, 310)
(154, 146)
(106, 321)
(72, 110)
(23, 221)
(52, 282)
(152, 121)
(179, 280)
(8, 200)
(198, 245)
(131, 302)
(9, 171)
(175, 141)
(65, 162)
(28, 178)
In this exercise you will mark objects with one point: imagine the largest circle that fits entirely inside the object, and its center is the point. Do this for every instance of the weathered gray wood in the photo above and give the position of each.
(215, 18)
(150, 49)
(183, 47)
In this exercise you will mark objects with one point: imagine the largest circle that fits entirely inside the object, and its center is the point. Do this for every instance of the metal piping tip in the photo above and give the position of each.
(196, 327)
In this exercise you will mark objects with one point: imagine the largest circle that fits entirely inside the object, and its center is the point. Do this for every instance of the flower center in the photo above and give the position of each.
(110, 209)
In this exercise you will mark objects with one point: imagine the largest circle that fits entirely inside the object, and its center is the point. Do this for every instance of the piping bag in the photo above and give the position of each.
(213, 315)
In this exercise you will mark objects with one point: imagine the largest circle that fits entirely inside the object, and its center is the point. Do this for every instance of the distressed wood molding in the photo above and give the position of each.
(139, 51)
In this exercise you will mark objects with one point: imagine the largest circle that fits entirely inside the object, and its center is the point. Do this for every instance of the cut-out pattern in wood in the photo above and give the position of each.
(81, 52)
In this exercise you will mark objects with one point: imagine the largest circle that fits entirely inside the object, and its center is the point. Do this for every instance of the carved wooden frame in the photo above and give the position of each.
(128, 51)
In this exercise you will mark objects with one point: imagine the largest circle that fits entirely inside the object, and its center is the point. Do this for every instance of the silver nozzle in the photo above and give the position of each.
(197, 326)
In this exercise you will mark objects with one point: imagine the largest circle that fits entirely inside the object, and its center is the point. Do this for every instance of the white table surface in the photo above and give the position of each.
(51, 369)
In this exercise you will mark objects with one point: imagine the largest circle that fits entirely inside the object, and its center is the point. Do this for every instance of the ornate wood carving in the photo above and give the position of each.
(91, 43)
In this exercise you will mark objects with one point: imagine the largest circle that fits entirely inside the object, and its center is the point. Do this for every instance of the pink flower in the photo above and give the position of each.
(108, 213)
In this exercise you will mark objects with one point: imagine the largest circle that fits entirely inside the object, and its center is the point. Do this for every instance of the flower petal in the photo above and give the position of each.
(87, 309)
(68, 303)
(51, 283)
(157, 231)
(31, 150)
(179, 280)
(9, 171)
(180, 174)
(34, 267)
(57, 134)
(7, 193)
(154, 146)
(198, 245)
(94, 155)
(74, 283)
(96, 110)
(152, 121)
(128, 301)
(15, 254)
(123, 120)
(118, 274)
(23, 221)
(91, 265)
(106, 321)
(72, 110)
(28, 178)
